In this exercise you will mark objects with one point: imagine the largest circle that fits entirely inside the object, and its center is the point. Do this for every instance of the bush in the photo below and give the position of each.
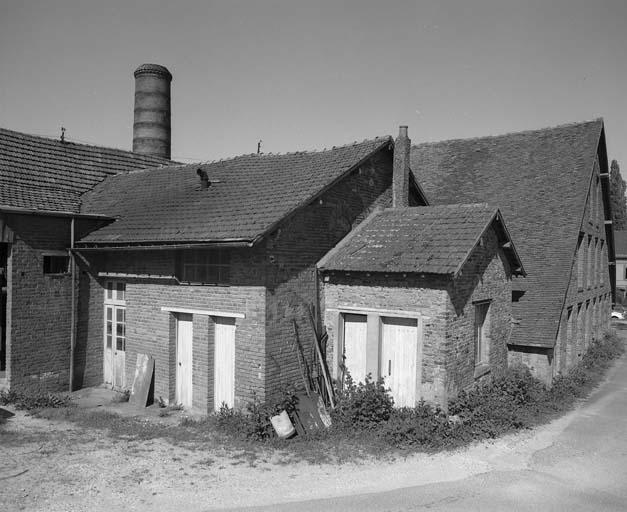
(362, 406)
(254, 423)
(35, 400)
(508, 401)
(422, 426)
(585, 374)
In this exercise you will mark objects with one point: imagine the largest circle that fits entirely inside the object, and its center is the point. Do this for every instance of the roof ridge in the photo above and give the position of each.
(382, 139)
(505, 134)
(81, 144)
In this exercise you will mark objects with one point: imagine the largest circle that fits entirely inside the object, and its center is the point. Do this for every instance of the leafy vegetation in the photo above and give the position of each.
(511, 400)
(31, 401)
(617, 197)
(364, 421)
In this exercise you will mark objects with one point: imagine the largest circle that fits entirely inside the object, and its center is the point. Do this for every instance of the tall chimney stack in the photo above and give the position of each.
(151, 126)
(400, 172)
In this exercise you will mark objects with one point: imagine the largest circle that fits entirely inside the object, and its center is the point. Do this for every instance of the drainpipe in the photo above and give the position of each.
(73, 312)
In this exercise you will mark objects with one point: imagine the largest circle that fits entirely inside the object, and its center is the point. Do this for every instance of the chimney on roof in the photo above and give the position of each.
(151, 126)
(400, 173)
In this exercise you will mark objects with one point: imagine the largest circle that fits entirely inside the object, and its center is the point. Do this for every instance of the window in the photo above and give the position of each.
(580, 256)
(205, 266)
(589, 263)
(115, 292)
(517, 295)
(603, 267)
(595, 263)
(57, 263)
(115, 315)
(116, 327)
(481, 332)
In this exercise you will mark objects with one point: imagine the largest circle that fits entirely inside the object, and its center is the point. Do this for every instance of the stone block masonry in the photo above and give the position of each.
(446, 306)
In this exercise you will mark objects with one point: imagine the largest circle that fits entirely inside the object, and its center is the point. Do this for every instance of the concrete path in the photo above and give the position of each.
(579, 463)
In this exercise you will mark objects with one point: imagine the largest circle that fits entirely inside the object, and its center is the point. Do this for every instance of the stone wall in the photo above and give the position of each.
(486, 276)
(447, 309)
(586, 312)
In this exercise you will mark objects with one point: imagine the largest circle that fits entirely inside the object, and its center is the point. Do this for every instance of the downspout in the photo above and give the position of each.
(73, 312)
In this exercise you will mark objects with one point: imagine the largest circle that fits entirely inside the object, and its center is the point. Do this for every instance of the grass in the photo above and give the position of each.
(364, 425)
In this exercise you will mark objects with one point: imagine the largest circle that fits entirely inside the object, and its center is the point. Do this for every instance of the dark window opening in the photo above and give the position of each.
(517, 294)
(202, 266)
(4, 255)
(56, 264)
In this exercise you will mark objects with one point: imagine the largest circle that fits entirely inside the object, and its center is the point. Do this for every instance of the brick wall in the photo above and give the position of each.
(447, 309)
(425, 296)
(586, 313)
(485, 276)
(272, 284)
(152, 331)
(38, 306)
(293, 251)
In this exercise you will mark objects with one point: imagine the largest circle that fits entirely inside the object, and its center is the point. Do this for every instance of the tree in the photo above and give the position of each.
(617, 197)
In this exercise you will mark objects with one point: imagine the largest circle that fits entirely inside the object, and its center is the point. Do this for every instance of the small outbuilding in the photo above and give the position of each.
(422, 297)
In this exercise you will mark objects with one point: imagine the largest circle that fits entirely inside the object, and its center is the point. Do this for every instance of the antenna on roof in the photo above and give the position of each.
(259, 147)
(62, 134)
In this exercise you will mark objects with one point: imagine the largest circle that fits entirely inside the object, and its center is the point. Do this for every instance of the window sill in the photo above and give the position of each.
(481, 369)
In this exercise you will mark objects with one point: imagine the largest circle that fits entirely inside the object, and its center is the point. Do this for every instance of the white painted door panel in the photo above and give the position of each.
(108, 345)
(119, 350)
(224, 370)
(184, 335)
(115, 346)
(399, 338)
(355, 336)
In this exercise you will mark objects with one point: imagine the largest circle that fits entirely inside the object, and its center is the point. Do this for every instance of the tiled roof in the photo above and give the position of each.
(38, 173)
(248, 195)
(539, 180)
(429, 239)
(620, 243)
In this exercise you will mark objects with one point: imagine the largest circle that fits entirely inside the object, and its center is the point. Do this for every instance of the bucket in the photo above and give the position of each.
(283, 425)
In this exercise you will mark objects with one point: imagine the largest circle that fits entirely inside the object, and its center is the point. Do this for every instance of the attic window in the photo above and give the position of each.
(205, 266)
(57, 262)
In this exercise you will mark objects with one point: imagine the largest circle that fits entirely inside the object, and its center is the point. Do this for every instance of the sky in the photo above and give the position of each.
(312, 74)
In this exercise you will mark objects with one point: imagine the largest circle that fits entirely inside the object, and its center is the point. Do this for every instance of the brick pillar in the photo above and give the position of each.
(400, 176)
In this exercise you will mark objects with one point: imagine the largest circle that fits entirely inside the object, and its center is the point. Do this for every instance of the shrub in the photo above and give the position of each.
(34, 400)
(422, 426)
(254, 423)
(508, 401)
(362, 406)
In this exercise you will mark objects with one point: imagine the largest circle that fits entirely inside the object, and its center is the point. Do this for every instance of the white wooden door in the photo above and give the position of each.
(184, 334)
(224, 363)
(115, 346)
(355, 336)
(399, 344)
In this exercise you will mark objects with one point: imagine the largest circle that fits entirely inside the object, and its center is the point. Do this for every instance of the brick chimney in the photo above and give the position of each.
(400, 174)
(151, 126)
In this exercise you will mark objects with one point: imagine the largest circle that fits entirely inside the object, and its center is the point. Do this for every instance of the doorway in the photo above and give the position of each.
(399, 345)
(224, 363)
(184, 340)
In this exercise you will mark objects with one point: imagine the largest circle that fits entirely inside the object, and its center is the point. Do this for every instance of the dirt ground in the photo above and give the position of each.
(55, 465)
